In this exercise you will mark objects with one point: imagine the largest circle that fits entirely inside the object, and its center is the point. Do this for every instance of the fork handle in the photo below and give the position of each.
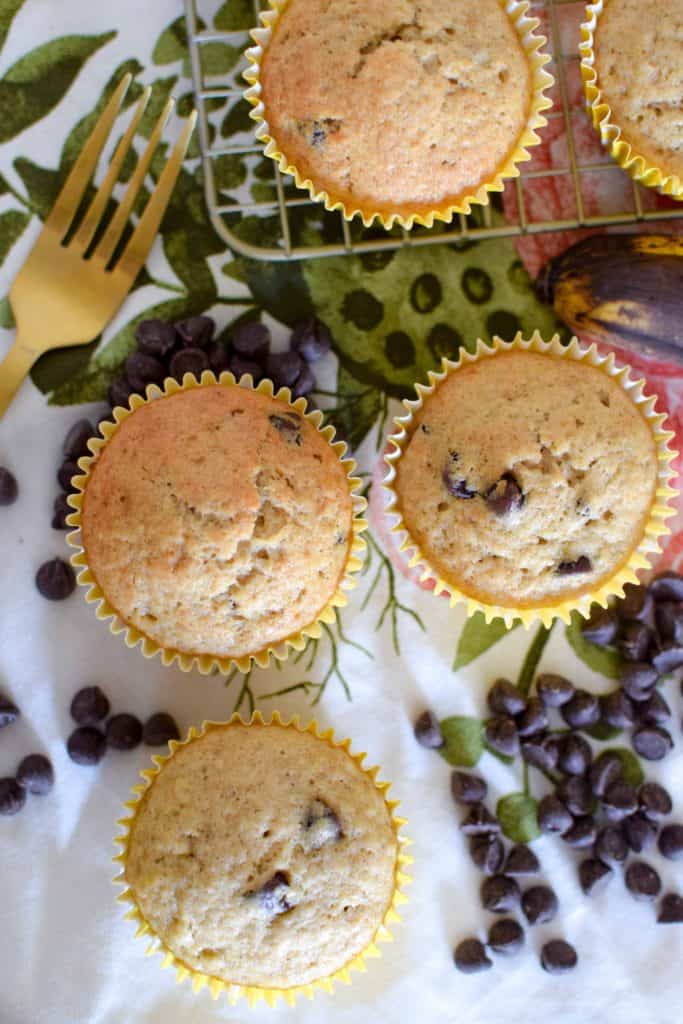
(13, 370)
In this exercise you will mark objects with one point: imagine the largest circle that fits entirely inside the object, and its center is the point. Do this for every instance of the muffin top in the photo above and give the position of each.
(527, 478)
(217, 521)
(263, 856)
(638, 58)
(395, 105)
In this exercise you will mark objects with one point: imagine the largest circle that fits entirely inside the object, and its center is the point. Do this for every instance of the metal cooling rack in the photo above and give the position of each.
(483, 223)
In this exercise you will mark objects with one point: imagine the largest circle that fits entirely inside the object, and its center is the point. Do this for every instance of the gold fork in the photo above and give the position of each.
(60, 297)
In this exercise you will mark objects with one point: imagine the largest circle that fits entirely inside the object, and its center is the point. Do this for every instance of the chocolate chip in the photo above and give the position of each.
(61, 510)
(505, 496)
(611, 845)
(640, 832)
(553, 816)
(635, 640)
(189, 360)
(89, 706)
(86, 745)
(155, 337)
(124, 732)
(505, 699)
(142, 369)
(506, 936)
(575, 567)
(36, 774)
(196, 331)
(12, 796)
(554, 690)
(66, 471)
(542, 753)
(575, 794)
(76, 441)
(499, 894)
(468, 789)
(428, 732)
(654, 801)
(219, 357)
(501, 735)
(558, 957)
(283, 368)
(619, 800)
(454, 482)
(289, 425)
(479, 822)
(311, 339)
(616, 709)
(642, 881)
(667, 586)
(582, 710)
(55, 580)
(251, 340)
(521, 861)
(637, 603)
(670, 842)
(605, 770)
(669, 622)
(600, 627)
(487, 852)
(539, 904)
(322, 826)
(670, 909)
(9, 489)
(274, 896)
(160, 729)
(9, 712)
(654, 710)
(582, 834)
(240, 366)
(594, 875)
(667, 658)
(119, 393)
(305, 383)
(533, 719)
(575, 754)
(470, 956)
(651, 742)
(637, 679)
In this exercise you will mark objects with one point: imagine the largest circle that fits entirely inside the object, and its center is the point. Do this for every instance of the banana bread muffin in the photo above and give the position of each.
(639, 64)
(217, 521)
(262, 855)
(396, 106)
(527, 478)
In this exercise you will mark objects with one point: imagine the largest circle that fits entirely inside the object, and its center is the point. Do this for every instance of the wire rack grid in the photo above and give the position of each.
(483, 223)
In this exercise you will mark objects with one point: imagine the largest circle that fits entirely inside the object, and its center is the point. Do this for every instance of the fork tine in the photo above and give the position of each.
(137, 249)
(92, 218)
(75, 185)
(111, 237)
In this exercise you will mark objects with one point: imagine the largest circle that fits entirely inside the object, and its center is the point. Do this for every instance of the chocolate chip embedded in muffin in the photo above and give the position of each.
(275, 895)
(575, 567)
(288, 424)
(455, 482)
(321, 826)
(505, 496)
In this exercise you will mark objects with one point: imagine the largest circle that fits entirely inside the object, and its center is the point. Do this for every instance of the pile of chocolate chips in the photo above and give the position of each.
(88, 743)
(34, 773)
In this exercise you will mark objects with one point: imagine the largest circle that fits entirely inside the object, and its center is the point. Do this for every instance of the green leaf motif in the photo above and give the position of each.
(8, 10)
(477, 636)
(604, 660)
(161, 90)
(356, 409)
(42, 185)
(237, 120)
(602, 731)
(37, 82)
(76, 138)
(464, 740)
(59, 366)
(631, 767)
(229, 171)
(518, 816)
(218, 58)
(12, 225)
(235, 16)
(6, 315)
(171, 44)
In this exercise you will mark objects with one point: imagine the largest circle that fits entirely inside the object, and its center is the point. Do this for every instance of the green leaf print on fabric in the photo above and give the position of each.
(631, 767)
(218, 58)
(464, 740)
(356, 408)
(477, 636)
(235, 15)
(518, 816)
(6, 315)
(604, 660)
(42, 185)
(61, 367)
(37, 82)
(161, 90)
(12, 224)
(78, 135)
(172, 43)
(8, 10)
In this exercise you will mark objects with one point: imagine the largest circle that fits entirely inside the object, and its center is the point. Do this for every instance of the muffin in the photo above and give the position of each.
(396, 108)
(527, 478)
(217, 521)
(634, 54)
(263, 855)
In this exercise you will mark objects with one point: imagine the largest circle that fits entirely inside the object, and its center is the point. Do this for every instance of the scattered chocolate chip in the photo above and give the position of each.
(582, 834)
(55, 580)
(501, 735)
(505, 699)
(640, 832)
(76, 441)
(637, 679)
(667, 586)
(533, 719)
(124, 732)
(542, 753)
(61, 510)
(89, 706)
(539, 904)
(305, 383)
(428, 731)
(240, 366)
(670, 909)
(66, 471)
(251, 340)
(274, 896)
(651, 742)
(506, 936)
(600, 627)
(142, 369)
(505, 496)
(160, 729)
(189, 360)
(558, 957)
(322, 826)
(575, 794)
(637, 603)
(642, 881)
(86, 745)
(582, 710)
(654, 801)
(635, 640)
(619, 800)
(553, 816)
(12, 796)
(119, 393)
(611, 845)
(594, 875)
(605, 770)
(575, 754)
(487, 852)
(9, 489)
(670, 842)
(470, 956)
(575, 567)
(155, 337)
(36, 774)
(669, 622)
(196, 331)
(654, 710)
(616, 709)
(479, 822)
(283, 368)
(667, 658)
(499, 894)
(554, 690)
(289, 425)
(311, 339)
(468, 789)
(219, 357)
(9, 712)
(455, 483)
(521, 861)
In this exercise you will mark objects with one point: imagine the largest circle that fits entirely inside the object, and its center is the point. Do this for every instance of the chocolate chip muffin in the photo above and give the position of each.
(392, 106)
(262, 855)
(217, 521)
(527, 478)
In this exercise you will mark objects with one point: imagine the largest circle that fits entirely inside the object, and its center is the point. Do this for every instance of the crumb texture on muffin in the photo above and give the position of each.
(527, 477)
(263, 856)
(639, 62)
(217, 521)
(396, 105)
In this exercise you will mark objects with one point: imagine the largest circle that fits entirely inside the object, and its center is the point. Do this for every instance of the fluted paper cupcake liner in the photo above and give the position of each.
(623, 151)
(207, 663)
(655, 527)
(541, 80)
(255, 993)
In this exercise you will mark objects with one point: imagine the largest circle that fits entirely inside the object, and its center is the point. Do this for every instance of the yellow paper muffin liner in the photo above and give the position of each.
(255, 993)
(207, 663)
(620, 149)
(540, 81)
(652, 531)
